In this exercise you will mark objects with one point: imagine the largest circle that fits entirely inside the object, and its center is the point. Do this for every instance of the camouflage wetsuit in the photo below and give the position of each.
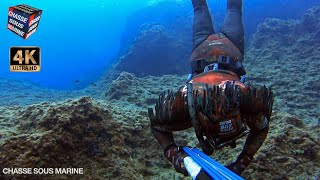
(215, 103)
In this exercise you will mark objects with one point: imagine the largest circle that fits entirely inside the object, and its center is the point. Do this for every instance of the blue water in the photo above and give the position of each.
(79, 39)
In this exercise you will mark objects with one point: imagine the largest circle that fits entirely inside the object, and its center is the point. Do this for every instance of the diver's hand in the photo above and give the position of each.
(241, 164)
(175, 155)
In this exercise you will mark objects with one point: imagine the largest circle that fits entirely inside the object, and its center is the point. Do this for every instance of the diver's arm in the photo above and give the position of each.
(164, 134)
(164, 138)
(256, 109)
(256, 137)
(258, 133)
(171, 151)
(171, 114)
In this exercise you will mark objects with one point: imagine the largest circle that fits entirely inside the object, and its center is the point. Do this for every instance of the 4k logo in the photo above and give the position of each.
(24, 59)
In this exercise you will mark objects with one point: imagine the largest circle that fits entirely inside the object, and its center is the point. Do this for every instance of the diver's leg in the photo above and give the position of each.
(202, 22)
(233, 26)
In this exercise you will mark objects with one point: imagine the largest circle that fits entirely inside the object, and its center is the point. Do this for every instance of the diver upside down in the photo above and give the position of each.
(219, 111)
(215, 101)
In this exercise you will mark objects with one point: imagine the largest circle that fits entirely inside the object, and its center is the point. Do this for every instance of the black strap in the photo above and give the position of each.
(224, 62)
(198, 65)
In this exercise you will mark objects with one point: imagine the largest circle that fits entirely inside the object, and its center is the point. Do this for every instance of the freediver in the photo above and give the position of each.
(215, 101)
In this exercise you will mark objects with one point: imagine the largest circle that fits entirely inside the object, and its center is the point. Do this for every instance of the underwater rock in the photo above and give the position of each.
(118, 87)
(85, 133)
(156, 52)
(77, 133)
(289, 152)
(56, 135)
(143, 91)
(175, 16)
(286, 55)
(14, 92)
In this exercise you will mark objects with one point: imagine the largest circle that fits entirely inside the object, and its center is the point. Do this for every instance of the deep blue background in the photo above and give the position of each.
(80, 38)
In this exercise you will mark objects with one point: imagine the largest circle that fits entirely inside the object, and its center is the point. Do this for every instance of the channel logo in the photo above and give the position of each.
(24, 59)
(23, 20)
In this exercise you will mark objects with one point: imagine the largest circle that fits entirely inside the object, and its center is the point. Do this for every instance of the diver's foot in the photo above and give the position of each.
(235, 4)
(199, 3)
